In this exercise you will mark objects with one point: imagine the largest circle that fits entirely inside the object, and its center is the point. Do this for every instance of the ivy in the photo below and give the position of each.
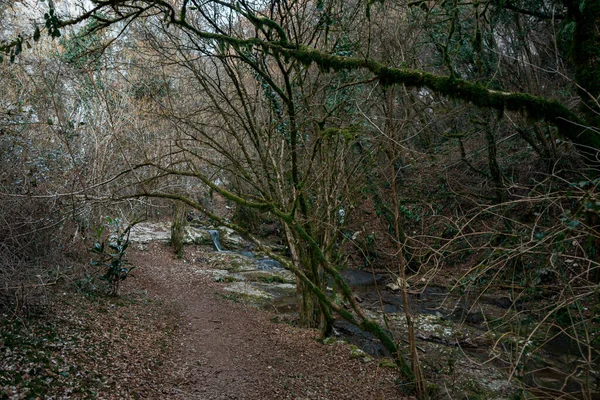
(52, 22)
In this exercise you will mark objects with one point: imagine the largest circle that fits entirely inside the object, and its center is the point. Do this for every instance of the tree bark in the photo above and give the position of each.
(586, 59)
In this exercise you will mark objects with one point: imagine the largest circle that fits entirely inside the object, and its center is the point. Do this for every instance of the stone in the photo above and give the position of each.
(247, 290)
(146, 232)
(193, 235)
(231, 239)
(281, 276)
(356, 353)
(397, 285)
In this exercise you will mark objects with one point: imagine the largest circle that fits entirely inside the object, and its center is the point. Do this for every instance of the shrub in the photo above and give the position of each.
(109, 256)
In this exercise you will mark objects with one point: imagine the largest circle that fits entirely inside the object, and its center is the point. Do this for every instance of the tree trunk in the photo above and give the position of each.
(313, 312)
(177, 228)
(586, 58)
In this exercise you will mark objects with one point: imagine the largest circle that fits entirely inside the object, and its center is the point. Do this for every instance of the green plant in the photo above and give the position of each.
(110, 256)
(272, 279)
(232, 297)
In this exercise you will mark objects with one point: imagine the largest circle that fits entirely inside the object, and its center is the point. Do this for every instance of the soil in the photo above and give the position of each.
(224, 349)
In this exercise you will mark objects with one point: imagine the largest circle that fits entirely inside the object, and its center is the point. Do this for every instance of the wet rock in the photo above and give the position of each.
(359, 279)
(359, 338)
(269, 264)
(231, 239)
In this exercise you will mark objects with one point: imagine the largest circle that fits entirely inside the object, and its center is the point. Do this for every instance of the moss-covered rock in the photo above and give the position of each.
(281, 276)
(358, 354)
(387, 363)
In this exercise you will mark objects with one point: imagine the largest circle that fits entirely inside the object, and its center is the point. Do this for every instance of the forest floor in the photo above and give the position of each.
(175, 334)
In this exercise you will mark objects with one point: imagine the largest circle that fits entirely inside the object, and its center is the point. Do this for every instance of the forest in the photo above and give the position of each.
(446, 153)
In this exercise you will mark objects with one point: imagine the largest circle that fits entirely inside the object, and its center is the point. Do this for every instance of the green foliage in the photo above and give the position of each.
(52, 21)
(83, 49)
(109, 256)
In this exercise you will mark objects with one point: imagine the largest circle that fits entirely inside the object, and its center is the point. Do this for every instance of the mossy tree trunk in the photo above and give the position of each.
(586, 59)
(177, 228)
(314, 313)
(586, 55)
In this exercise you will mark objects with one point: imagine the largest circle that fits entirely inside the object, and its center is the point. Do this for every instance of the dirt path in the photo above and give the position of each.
(226, 350)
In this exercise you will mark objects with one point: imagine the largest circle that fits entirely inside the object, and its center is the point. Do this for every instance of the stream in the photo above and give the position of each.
(461, 345)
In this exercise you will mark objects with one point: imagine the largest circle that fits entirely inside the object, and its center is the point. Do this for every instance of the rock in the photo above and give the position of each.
(331, 340)
(356, 353)
(269, 264)
(397, 285)
(232, 262)
(245, 289)
(193, 235)
(356, 278)
(281, 276)
(146, 232)
(430, 325)
(219, 275)
(231, 239)
(503, 302)
(475, 317)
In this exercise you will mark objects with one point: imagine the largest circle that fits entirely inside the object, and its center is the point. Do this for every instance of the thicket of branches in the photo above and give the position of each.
(417, 137)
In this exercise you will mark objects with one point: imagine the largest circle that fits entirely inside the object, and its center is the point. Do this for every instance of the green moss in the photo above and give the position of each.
(387, 363)
(331, 340)
(358, 354)
(272, 279)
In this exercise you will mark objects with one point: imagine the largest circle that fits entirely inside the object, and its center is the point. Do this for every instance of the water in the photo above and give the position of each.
(265, 264)
(214, 235)
(446, 311)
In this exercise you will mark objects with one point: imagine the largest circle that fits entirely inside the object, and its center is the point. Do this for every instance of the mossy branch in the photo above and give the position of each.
(536, 108)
